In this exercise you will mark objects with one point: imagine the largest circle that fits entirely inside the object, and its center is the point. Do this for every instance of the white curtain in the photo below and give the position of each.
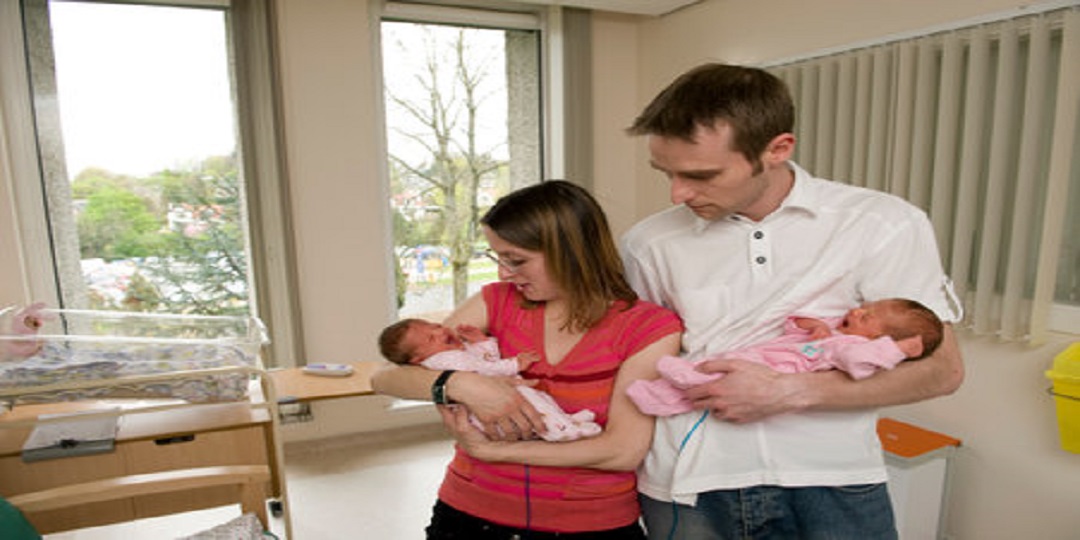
(978, 126)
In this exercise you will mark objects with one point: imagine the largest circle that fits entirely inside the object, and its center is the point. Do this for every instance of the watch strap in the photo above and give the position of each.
(438, 388)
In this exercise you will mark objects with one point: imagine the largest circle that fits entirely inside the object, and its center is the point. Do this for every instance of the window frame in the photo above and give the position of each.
(565, 86)
(566, 100)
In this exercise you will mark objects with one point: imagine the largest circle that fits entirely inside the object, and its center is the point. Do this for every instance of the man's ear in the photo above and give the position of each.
(780, 149)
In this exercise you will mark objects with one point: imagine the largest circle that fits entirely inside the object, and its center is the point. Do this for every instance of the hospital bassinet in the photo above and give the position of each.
(84, 354)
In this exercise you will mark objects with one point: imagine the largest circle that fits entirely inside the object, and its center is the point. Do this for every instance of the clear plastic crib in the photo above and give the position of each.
(51, 355)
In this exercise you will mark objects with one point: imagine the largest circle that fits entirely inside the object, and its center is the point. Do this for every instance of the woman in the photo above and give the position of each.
(562, 295)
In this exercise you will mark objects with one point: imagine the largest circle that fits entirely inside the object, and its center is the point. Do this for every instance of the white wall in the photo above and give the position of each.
(615, 62)
(1011, 480)
(331, 137)
(339, 207)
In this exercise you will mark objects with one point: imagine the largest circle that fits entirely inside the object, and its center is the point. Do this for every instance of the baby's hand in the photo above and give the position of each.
(30, 319)
(470, 334)
(817, 328)
(527, 359)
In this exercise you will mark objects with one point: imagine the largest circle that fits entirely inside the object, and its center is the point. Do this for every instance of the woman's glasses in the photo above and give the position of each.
(510, 265)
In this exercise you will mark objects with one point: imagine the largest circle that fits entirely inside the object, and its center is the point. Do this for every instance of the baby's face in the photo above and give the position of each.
(866, 320)
(427, 338)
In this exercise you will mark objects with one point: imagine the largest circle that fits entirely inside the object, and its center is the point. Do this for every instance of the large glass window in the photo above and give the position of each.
(463, 128)
(147, 167)
(138, 146)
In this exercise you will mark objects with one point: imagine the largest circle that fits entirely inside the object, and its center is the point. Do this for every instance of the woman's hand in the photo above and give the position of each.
(496, 403)
(621, 446)
(469, 437)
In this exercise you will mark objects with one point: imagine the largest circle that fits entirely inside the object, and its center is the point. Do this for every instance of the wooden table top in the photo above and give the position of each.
(294, 386)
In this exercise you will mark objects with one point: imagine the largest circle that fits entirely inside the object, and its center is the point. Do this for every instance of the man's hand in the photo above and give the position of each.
(747, 392)
(497, 404)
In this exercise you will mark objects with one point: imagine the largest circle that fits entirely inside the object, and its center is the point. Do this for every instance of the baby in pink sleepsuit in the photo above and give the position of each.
(874, 336)
(434, 346)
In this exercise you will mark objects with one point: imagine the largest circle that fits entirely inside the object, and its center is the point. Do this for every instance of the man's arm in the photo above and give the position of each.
(749, 392)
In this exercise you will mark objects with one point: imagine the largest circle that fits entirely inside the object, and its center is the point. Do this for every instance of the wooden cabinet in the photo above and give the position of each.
(186, 437)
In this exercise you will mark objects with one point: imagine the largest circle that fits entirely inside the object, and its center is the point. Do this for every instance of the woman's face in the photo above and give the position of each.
(527, 270)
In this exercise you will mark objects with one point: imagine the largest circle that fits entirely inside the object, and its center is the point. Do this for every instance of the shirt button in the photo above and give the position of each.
(758, 235)
(760, 260)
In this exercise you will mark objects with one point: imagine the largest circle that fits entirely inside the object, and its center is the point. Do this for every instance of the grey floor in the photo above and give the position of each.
(377, 486)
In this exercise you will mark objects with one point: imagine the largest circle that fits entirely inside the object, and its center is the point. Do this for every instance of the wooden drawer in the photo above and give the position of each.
(147, 441)
(17, 477)
(242, 446)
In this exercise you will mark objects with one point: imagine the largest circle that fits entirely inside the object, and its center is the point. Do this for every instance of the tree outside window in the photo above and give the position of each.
(458, 139)
(137, 128)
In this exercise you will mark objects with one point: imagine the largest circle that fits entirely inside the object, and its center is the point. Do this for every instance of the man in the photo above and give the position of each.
(752, 239)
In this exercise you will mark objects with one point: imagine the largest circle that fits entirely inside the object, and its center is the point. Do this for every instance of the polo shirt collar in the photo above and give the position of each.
(801, 197)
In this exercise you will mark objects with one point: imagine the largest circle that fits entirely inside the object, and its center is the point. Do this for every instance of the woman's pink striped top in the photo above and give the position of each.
(552, 498)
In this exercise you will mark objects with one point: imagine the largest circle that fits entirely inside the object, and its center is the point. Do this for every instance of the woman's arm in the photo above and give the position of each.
(493, 400)
(408, 382)
(621, 446)
(749, 392)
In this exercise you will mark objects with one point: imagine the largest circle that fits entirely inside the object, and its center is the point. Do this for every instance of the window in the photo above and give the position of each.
(978, 126)
(136, 129)
(144, 150)
(463, 128)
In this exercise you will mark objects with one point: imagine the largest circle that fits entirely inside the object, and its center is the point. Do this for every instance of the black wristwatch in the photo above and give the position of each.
(438, 388)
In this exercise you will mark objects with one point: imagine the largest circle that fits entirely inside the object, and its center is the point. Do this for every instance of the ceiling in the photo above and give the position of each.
(638, 7)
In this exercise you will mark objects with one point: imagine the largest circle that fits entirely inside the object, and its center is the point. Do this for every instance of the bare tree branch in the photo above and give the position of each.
(445, 103)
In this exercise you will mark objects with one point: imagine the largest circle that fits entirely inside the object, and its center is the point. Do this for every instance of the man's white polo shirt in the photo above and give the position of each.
(828, 248)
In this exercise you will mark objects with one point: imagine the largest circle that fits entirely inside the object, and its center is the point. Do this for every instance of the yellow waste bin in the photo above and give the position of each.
(1065, 376)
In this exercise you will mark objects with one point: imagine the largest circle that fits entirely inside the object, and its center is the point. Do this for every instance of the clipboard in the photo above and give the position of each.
(70, 435)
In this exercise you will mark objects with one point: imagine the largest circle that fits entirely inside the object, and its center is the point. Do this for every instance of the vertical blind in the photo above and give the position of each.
(978, 126)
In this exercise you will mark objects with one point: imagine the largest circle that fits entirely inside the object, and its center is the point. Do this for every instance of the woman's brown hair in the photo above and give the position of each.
(566, 224)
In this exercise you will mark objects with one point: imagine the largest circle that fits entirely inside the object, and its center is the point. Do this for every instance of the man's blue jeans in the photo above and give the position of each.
(860, 512)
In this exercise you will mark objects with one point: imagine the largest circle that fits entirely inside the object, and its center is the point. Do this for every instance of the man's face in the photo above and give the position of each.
(710, 178)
